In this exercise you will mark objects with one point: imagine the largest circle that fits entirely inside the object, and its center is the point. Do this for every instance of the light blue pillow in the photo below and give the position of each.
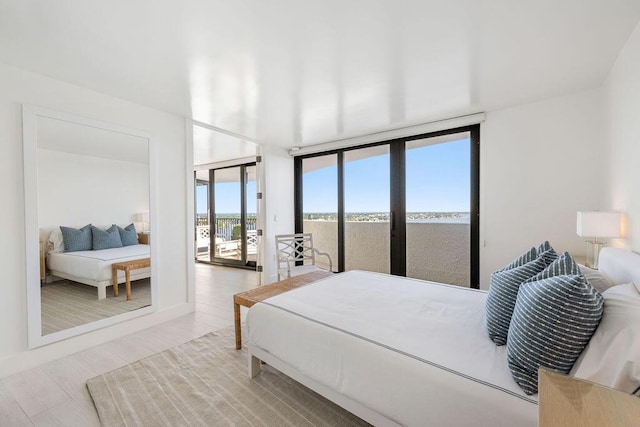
(563, 265)
(546, 252)
(526, 257)
(128, 235)
(503, 291)
(552, 323)
(106, 239)
(75, 239)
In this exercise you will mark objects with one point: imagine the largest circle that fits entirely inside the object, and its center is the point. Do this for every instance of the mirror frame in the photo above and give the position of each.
(30, 116)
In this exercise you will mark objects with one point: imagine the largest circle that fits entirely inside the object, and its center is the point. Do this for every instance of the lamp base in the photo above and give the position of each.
(593, 251)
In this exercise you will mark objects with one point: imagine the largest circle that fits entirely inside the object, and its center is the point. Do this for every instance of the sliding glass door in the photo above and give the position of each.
(367, 234)
(319, 176)
(251, 209)
(227, 233)
(407, 207)
(438, 208)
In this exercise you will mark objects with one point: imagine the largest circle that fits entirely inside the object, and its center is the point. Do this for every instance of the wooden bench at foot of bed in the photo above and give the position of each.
(127, 266)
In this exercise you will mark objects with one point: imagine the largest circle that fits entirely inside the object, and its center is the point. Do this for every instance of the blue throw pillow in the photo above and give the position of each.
(503, 291)
(552, 323)
(128, 235)
(563, 265)
(526, 257)
(546, 252)
(106, 239)
(75, 239)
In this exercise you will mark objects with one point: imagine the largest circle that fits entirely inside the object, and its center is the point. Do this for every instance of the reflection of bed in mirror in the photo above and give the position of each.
(93, 268)
(79, 171)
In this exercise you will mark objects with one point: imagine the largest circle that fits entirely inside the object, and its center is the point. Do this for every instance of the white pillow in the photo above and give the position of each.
(56, 241)
(612, 357)
(599, 281)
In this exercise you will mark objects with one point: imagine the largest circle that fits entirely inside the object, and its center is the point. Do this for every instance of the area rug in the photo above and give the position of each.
(66, 304)
(204, 382)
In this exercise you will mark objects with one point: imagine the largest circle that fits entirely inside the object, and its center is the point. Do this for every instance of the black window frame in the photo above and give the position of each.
(397, 223)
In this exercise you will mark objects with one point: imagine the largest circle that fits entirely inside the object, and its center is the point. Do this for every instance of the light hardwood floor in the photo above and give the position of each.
(54, 394)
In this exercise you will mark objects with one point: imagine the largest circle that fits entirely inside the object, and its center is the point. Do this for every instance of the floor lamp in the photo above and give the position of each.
(596, 225)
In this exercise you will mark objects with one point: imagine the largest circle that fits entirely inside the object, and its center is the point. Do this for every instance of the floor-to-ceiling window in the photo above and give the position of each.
(407, 207)
(367, 209)
(226, 215)
(319, 176)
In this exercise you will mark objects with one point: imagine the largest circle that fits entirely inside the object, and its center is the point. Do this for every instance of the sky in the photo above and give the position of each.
(227, 198)
(437, 181)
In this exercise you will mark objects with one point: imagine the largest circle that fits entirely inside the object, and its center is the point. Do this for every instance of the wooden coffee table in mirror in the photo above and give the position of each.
(261, 293)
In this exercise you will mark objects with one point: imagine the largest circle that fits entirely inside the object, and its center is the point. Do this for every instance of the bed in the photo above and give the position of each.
(398, 351)
(93, 268)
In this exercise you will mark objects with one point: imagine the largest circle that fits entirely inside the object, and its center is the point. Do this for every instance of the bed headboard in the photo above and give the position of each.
(620, 265)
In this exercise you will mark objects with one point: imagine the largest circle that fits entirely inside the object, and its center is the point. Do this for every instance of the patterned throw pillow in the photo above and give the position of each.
(563, 265)
(128, 235)
(503, 291)
(106, 239)
(77, 239)
(526, 257)
(546, 252)
(552, 322)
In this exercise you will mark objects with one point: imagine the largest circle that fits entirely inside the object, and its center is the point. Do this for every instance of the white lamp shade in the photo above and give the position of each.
(598, 224)
(142, 217)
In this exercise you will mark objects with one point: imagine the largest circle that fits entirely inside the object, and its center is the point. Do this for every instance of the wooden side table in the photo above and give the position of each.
(568, 402)
(144, 238)
(261, 293)
(127, 266)
(43, 262)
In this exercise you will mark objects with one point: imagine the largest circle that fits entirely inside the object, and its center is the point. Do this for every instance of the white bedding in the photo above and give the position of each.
(415, 352)
(96, 265)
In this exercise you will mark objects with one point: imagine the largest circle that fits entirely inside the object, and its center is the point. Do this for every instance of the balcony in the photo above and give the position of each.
(437, 251)
(227, 239)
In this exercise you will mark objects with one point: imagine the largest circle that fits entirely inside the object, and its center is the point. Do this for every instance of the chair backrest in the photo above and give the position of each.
(295, 247)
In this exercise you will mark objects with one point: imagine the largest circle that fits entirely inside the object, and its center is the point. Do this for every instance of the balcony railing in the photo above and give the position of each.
(225, 226)
(435, 251)
(226, 243)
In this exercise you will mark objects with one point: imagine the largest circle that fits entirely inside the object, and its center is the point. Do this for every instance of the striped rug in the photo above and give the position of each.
(66, 304)
(204, 382)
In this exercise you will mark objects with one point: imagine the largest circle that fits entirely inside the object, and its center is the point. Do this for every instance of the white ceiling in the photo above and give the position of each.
(75, 138)
(294, 72)
(213, 147)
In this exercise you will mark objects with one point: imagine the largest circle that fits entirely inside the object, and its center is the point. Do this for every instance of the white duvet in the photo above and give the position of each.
(96, 265)
(416, 352)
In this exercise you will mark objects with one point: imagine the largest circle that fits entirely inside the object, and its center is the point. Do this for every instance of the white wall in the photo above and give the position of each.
(540, 164)
(278, 193)
(75, 190)
(622, 127)
(18, 87)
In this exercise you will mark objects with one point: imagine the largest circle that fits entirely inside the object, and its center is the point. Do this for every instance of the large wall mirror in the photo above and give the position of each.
(89, 224)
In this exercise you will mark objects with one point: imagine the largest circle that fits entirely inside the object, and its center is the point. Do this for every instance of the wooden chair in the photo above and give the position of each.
(296, 255)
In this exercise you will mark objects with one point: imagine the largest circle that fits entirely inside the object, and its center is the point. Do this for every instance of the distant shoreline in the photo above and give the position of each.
(412, 217)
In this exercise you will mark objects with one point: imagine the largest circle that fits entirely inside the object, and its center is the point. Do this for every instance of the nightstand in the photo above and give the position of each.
(144, 238)
(567, 401)
(43, 264)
